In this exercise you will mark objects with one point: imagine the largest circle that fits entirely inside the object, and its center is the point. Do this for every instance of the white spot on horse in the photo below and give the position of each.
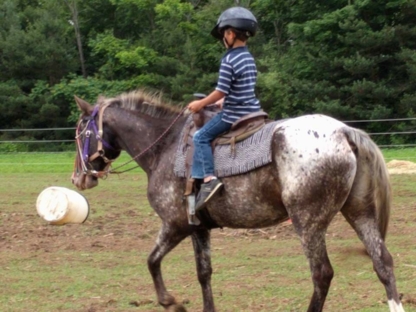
(158, 237)
(169, 193)
(395, 307)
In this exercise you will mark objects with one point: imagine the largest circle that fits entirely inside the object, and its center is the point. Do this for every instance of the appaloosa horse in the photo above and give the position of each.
(319, 167)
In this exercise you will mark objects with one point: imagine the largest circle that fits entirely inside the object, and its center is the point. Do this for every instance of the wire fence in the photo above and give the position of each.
(408, 134)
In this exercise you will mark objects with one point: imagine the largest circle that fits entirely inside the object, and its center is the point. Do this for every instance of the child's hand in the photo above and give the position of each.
(219, 103)
(195, 106)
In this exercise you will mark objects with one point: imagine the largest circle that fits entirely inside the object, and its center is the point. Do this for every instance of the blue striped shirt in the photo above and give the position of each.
(237, 80)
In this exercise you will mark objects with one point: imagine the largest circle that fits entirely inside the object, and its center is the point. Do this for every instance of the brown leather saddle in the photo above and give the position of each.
(240, 130)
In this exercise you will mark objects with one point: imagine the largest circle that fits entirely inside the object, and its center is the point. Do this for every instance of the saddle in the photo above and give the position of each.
(240, 130)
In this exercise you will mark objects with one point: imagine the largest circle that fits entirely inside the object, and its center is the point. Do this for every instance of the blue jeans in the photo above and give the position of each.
(203, 160)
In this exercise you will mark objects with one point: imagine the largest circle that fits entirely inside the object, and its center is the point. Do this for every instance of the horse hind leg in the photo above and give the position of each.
(311, 222)
(311, 215)
(166, 241)
(314, 247)
(367, 230)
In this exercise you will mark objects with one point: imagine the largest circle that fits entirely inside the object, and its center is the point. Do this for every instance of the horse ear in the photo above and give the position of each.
(84, 106)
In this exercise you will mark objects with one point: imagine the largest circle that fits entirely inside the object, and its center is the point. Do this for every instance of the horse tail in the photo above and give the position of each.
(370, 161)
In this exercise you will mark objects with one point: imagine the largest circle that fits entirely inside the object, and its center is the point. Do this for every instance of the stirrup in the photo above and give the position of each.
(192, 218)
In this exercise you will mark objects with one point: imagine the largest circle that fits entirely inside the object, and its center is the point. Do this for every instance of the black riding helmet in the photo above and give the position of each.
(238, 18)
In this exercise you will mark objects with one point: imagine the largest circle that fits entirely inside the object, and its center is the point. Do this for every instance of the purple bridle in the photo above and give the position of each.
(83, 158)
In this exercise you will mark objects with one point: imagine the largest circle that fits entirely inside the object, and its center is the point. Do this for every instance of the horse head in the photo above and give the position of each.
(96, 146)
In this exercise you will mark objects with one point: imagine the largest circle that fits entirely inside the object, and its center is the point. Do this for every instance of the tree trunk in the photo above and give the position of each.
(72, 5)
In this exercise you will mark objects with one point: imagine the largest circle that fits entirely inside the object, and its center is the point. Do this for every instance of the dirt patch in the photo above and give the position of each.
(101, 265)
(401, 167)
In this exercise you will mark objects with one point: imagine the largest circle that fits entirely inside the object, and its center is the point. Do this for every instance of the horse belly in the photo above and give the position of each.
(251, 200)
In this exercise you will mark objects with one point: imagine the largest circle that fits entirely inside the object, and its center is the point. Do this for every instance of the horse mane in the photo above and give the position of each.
(144, 102)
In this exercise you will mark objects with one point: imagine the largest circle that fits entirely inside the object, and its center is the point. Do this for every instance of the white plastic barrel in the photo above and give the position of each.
(60, 205)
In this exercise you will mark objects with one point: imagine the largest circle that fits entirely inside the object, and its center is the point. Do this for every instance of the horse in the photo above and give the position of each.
(319, 167)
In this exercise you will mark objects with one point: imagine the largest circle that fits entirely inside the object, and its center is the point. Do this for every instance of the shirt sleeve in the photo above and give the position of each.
(225, 78)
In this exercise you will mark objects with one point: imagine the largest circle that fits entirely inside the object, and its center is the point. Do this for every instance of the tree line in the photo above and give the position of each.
(350, 59)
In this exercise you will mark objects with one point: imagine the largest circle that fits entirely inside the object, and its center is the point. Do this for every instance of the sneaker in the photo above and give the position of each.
(208, 190)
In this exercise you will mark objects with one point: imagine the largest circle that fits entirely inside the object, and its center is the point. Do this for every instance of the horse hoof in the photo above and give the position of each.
(176, 308)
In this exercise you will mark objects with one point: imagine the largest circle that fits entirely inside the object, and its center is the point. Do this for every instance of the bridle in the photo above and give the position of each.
(83, 159)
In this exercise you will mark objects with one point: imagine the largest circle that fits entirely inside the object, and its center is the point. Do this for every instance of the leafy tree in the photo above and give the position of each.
(13, 104)
(349, 59)
(355, 62)
(34, 44)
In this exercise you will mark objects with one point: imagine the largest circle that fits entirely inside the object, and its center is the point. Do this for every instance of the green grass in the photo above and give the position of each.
(101, 265)
(63, 162)
(408, 154)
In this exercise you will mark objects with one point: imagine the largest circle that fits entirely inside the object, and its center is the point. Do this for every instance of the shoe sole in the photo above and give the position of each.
(214, 191)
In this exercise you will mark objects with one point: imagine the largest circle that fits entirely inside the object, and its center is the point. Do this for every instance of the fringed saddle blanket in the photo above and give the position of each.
(251, 153)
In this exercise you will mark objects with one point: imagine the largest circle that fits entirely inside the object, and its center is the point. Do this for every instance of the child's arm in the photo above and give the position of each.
(214, 96)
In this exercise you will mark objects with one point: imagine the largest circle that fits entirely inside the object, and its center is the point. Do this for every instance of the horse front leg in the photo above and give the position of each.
(201, 241)
(167, 239)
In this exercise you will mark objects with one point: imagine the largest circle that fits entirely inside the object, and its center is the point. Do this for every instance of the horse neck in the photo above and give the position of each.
(142, 134)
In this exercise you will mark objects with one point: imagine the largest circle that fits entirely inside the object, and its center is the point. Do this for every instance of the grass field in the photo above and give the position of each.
(62, 162)
(101, 264)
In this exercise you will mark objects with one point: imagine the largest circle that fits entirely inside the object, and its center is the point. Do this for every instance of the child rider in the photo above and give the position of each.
(235, 87)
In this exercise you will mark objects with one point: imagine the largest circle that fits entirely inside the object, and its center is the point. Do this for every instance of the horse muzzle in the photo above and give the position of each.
(84, 181)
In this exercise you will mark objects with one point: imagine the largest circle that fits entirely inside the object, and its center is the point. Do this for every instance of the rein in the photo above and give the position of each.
(150, 146)
(83, 159)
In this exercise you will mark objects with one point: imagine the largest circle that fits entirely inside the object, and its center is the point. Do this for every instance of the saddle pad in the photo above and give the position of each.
(251, 153)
